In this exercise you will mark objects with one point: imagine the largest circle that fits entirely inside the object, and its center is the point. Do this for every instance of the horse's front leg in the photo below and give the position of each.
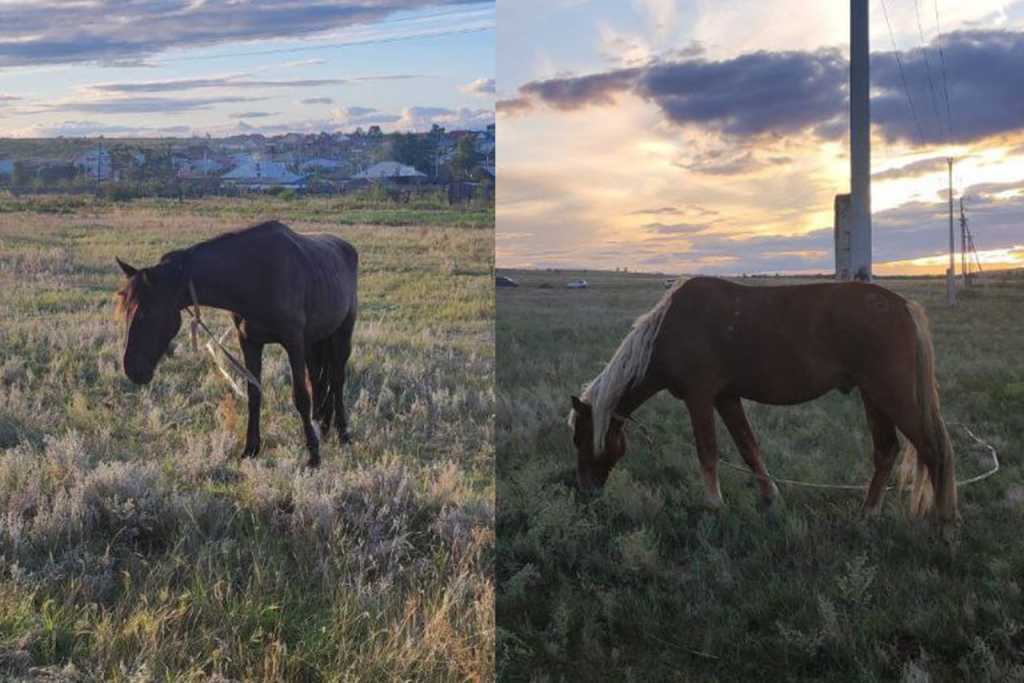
(303, 404)
(702, 418)
(253, 356)
(731, 410)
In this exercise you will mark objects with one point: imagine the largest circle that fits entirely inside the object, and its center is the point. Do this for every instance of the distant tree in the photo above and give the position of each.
(22, 175)
(466, 157)
(414, 150)
(375, 133)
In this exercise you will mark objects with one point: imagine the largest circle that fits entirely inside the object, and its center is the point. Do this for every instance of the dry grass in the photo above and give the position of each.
(137, 546)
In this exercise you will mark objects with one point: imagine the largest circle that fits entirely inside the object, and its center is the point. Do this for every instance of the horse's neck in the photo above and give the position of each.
(636, 395)
(217, 278)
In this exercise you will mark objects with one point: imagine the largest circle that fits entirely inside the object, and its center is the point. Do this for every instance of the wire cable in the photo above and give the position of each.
(928, 68)
(903, 77)
(942, 60)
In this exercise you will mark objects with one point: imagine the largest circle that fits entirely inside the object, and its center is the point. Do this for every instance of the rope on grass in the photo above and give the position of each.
(841, 487)
(220, 363)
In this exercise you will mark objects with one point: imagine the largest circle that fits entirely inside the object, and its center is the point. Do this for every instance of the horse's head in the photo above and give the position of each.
(150, 302)
(592, 469)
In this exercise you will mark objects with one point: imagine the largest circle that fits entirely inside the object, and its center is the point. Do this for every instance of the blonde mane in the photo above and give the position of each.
(627, 366)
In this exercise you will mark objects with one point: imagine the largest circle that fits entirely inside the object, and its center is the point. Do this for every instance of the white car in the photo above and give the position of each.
(577, 284)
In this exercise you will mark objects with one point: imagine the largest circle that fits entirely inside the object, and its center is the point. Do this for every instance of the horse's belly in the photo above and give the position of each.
(789, 386)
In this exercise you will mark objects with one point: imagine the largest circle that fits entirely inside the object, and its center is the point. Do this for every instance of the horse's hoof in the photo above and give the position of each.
(344, 437)
(713, 503)
(251, 451)
(313, 463)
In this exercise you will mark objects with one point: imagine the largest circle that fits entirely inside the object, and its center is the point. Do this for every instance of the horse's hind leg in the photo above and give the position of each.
(886, 448)
(341, 345)
(319, 364)
(731, 410)
(702, 418)
(300, 394)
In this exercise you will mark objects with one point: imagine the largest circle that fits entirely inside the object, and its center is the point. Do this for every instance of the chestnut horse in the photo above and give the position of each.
(711, 343)
(281, 287)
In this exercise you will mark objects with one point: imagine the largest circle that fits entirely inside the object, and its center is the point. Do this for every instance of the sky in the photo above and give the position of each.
(711, 136)
(124, 68)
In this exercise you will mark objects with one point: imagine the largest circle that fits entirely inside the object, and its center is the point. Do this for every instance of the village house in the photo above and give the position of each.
(262, 175)
(391, 172)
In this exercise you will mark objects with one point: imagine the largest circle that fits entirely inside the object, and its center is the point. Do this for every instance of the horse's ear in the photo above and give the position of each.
(128, 270)
(579, 406)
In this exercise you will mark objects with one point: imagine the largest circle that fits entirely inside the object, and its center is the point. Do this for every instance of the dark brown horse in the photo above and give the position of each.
(281, 287)
(710, 343)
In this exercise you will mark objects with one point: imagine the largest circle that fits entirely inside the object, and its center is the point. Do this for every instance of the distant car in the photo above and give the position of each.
(577, 284)
(502, 281)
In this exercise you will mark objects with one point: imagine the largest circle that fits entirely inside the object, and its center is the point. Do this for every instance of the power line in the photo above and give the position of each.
(903, 77)
(927, 67)
(942, 59)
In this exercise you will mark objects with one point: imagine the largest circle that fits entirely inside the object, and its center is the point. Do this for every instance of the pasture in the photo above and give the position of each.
(642, 583)
(136, 545)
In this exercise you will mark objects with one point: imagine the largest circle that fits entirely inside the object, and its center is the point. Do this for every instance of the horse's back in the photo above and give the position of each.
(317, 272)
(788, 343)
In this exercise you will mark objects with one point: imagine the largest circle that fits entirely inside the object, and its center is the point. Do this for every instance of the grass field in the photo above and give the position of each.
(641, 583)
(135, 545)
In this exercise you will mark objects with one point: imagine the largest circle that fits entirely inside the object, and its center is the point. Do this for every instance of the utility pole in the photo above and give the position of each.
(860, 143)
(963, 245)
(951, 273)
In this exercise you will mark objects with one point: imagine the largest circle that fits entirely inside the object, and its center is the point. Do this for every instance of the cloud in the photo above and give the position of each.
(318, 100)
(355, 117)
(677, 228)
(72, 129)
(913, 169)
(790, 92)
(201, 83)
(253, 114)
(513, 106)
(118, 32)
(143, 105)
(481, 86)
(423, 118)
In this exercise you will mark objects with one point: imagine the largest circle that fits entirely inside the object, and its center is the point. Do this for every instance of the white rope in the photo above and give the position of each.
(841, 487)
(861, 487)
(220, 364)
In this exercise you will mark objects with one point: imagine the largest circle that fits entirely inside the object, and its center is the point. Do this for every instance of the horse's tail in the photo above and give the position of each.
(931, 476)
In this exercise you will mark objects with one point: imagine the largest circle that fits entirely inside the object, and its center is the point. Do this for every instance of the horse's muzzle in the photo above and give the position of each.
(138, 376)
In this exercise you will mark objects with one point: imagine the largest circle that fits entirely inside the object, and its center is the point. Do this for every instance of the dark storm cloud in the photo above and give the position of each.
(513, 106)
(985, 75)
(127, 31)
(784, 93)
(575, 92)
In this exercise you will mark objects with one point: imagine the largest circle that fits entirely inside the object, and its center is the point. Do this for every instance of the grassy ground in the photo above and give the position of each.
(135, 545)
(368, 207)
(642, 584)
